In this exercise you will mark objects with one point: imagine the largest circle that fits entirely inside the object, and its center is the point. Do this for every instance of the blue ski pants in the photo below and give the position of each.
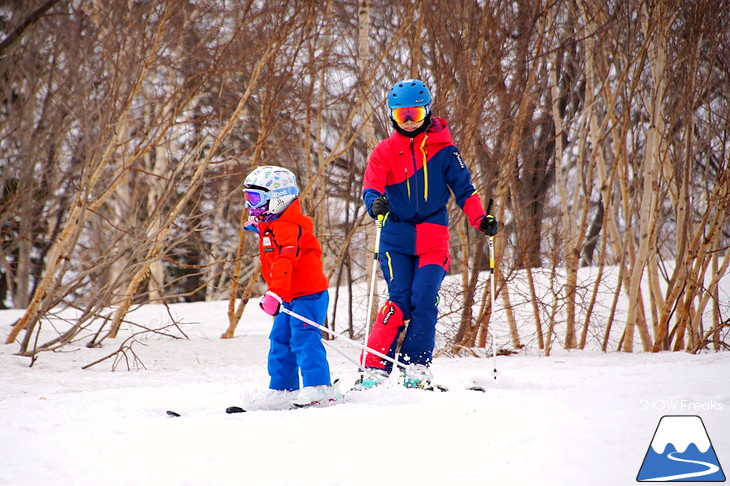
(296, 347)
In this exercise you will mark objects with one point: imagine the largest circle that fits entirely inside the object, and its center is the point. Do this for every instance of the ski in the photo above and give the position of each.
(234, 409)
(229, 410)
(432, 387)
(442, 388)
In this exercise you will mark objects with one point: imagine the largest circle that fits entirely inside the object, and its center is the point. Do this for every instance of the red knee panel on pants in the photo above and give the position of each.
(384, 333)
(440, 258)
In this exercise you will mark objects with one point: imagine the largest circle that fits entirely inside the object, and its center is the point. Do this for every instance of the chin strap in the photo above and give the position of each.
(263, 218)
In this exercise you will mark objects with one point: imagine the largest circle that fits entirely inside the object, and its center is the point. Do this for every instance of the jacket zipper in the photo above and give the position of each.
(415, 171)
(425, 168)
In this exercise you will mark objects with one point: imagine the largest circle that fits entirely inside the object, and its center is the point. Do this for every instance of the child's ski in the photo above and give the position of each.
(238, 409)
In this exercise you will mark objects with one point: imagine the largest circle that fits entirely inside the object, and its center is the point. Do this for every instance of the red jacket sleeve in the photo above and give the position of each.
(473, 209)
(376, 172)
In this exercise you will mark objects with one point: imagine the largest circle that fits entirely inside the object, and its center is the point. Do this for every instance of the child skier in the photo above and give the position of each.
(292, 268)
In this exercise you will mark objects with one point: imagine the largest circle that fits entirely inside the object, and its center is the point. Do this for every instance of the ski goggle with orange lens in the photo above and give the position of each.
(414, 113)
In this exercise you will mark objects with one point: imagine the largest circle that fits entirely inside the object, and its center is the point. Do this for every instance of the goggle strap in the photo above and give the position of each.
(284, 191)
(265, 196)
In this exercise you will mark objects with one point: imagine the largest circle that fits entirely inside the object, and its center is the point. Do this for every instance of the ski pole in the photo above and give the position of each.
(343, 337)
(364, 370)
(376, 250)
(491, 293)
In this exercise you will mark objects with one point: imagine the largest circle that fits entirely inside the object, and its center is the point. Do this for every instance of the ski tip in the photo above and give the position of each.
(170, 413)
(235, 409)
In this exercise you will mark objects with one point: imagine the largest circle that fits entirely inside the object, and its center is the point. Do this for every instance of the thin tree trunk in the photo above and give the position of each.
(368, 132)
(653, 155)
(195, 182)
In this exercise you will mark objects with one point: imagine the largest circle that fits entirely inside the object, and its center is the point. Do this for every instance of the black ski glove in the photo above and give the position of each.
(488, 225)
(380, 206)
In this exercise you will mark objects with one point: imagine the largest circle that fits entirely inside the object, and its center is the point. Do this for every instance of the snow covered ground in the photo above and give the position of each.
(578, 418)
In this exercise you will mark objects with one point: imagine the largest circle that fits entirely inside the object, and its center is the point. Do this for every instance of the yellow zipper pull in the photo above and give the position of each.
(408, 182)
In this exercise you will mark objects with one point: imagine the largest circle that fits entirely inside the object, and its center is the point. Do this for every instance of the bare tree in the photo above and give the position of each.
(599, 129)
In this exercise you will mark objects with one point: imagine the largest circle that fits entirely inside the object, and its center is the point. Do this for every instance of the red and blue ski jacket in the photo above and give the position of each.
(417, 175)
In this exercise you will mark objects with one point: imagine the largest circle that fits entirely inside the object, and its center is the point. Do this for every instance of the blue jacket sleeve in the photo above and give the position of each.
(459, 180)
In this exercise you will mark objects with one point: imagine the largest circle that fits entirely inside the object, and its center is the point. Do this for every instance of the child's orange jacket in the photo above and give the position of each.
(291, 258)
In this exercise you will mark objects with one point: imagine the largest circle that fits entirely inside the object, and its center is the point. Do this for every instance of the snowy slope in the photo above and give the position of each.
(571, 419)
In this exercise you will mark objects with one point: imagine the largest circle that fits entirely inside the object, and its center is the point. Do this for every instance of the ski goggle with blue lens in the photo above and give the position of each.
(256, 198)
(414, 113)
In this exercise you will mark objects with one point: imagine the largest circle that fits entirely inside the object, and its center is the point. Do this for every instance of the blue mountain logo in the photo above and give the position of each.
(681, 451)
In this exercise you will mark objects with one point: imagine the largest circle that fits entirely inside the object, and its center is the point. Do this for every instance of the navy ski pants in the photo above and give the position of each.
(414, 288)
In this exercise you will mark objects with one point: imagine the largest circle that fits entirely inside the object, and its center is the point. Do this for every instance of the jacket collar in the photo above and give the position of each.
(290, 214)
(438, 132)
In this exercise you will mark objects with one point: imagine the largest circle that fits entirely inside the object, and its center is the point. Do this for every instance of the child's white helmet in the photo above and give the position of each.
(277, 187)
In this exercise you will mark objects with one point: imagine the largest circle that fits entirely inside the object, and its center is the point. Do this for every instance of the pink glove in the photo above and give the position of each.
(270, 303)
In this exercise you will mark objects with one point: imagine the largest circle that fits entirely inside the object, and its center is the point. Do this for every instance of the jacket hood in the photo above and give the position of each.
(293, 214)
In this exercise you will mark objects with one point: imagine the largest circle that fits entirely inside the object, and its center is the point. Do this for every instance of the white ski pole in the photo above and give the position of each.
(345, 338)
(491, 293)
(348, 358)
(376, 250)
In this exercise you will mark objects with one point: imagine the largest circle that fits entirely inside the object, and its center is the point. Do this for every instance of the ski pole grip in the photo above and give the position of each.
(489, 205)
(378, 228)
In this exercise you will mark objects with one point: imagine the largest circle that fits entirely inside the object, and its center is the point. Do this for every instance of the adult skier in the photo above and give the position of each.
(408, 182)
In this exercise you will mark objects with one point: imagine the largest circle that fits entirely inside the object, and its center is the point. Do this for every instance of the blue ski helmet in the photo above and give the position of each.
(409, 92)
